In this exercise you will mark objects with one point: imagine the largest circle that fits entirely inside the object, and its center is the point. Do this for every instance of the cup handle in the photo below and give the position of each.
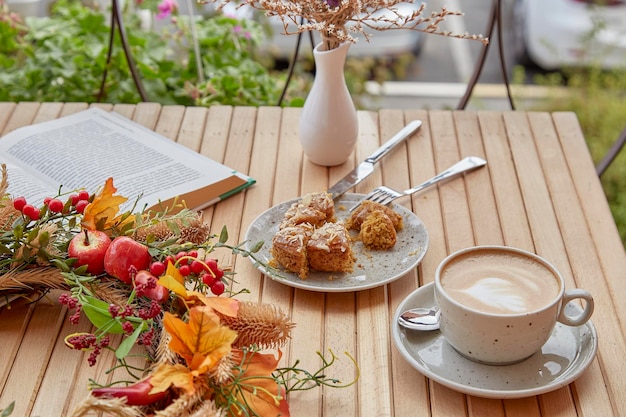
(573, 294)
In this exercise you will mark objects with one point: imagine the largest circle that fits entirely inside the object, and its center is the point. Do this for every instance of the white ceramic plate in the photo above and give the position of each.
(567, 353)
(372, 268)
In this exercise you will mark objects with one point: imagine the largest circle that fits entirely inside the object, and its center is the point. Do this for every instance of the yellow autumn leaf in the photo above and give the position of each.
(167, 375)
(224, 305)
(202, 341)
(105, 206)
(259, 390)
(172, 284)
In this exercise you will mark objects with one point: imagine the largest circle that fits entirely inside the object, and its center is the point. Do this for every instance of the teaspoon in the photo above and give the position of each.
(424, 319)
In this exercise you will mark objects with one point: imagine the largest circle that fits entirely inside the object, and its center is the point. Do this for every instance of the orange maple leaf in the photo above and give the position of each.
(103, 210)
(258, 390)
(202, 341)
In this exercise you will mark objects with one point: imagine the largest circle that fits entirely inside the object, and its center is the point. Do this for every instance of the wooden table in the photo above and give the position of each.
(539, 192)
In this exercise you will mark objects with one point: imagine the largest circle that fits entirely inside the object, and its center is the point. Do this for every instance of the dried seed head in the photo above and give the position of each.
(262, 325)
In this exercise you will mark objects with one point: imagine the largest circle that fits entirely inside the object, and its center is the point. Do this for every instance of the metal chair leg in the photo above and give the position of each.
(611, 154)
(495, 17)
(116, 21)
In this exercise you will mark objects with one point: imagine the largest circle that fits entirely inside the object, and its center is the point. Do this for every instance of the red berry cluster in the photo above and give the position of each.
(78, 201)
(88, 341)
(27, 210)
(206, 271)
(71, 303)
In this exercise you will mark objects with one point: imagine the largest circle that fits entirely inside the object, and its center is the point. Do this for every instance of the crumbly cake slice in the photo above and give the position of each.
(314, 208)
(330, 249)
(289, 248)
(378, 231)
(359, 215)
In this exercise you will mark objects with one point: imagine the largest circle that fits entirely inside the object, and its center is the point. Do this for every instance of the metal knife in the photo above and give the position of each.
(366, 167)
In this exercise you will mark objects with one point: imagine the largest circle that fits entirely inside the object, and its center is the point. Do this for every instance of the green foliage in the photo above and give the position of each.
(63, 57)
(599, 100)
(6, 412)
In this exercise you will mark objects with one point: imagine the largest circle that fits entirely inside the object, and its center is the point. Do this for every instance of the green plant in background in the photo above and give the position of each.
(598, 98)
(62, 58)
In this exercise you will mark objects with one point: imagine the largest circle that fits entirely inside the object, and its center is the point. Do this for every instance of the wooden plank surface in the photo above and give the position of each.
(538, 192)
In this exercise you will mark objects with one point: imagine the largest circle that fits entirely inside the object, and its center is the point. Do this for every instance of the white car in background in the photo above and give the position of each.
(553, 34)
(381, 43)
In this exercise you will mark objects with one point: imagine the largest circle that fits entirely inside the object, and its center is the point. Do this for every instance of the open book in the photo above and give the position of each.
(84, 149)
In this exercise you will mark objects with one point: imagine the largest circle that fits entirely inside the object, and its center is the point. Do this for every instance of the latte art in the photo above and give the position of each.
(500, 294)
(500, 282)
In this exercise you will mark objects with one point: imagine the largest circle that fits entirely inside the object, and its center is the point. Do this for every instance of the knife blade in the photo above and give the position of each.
(366, 167)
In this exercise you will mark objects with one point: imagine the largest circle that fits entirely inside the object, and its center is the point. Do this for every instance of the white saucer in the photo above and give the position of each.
(567, 353)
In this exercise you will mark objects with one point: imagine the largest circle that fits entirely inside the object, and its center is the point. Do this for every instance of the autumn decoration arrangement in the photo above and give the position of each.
(149, 279)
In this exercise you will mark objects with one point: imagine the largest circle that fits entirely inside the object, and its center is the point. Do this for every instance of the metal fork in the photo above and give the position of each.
(385, 195)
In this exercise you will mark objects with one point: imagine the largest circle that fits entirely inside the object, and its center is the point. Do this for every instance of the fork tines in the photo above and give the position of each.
(382, 195)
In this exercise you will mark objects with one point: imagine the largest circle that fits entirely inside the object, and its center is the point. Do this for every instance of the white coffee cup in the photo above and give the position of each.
(499, 304)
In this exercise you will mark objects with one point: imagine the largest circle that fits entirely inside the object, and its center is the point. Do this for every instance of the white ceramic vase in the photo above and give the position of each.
(328, 123)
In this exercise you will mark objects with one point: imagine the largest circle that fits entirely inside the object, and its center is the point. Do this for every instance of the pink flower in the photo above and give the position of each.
(166, 8)
(238, 29)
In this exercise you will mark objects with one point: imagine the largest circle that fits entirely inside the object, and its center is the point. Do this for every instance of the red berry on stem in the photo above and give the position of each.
(212, 264)
(197, 267)
(179, 258)
(35, 214)
(207, 278)
(19, 203)
(157, 268)
(169, 259)
(28, 210)
(74, 199)
(83, 195)
(55, 205)
(80, 206)
(193, 253)
(184, 270)
(218, 287)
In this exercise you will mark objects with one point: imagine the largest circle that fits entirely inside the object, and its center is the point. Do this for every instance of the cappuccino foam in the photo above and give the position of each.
(499, 282)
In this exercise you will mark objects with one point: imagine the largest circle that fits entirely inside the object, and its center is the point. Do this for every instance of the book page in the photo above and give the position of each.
(83, 150)
(22, 184)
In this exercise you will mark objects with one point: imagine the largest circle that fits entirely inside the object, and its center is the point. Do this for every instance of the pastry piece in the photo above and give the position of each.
(378, 231)
(330, 249)
(359, 215)
(314, 208)
(289, 248)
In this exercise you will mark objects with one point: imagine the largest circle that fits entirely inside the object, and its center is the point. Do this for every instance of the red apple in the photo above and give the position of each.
(151, 288)
(89, 248)
(123, 253)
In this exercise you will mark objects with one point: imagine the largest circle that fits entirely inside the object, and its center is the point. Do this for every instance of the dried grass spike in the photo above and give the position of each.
(184, 404)
(163, 353)
(263, 325)
(209, 409)
(4, 185)
(223, 372)
(107, 406)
